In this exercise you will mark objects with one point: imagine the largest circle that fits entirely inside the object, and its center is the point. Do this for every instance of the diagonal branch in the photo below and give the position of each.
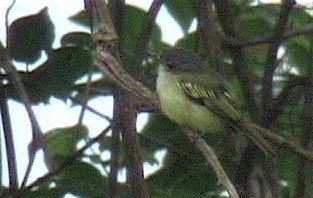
(236, 41)
(67, 162)
(144, 37)
(213, 160)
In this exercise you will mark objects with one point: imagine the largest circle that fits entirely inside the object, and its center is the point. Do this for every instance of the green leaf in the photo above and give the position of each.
(133, 25)
(189, 41)
(182, 11)
(60, 143)
(299, 52)
(45, 192)
(28, 36)
(258, 20)
(83, 180)
(81, 18)
(79, 39)
(56, 77)
(255, 57)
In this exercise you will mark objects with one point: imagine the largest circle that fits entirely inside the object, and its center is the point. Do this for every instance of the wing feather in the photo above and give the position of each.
(212, 94)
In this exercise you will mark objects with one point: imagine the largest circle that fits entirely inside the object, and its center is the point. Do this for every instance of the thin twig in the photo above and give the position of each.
(92, 110)
(9, 142)
(282, 142)
(234, 41)
(213, 160)
(67, 162)
(7, 20)
(37, 136)
(143, 39)
(6, 122)
(86, 96)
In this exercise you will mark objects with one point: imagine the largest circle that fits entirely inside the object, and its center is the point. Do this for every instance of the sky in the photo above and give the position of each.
(58, 113)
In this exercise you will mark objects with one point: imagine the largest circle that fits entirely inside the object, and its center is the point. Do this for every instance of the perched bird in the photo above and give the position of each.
(28, 36)
(196, 96)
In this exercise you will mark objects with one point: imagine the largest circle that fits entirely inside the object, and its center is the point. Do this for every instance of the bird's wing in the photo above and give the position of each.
(211, 91)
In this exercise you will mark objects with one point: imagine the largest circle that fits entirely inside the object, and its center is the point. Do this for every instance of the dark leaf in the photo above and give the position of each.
(83, 180)
(62, 142)
(79, 39)
(81, 18)
(56, 77)
(28, 36)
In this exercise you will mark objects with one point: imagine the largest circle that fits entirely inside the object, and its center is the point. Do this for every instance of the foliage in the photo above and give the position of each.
(184, 172)
(28, 36)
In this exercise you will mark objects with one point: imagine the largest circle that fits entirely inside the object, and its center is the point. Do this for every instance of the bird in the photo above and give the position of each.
(196, 96)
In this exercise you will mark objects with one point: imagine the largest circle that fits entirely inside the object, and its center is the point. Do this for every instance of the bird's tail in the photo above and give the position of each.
(253, 132)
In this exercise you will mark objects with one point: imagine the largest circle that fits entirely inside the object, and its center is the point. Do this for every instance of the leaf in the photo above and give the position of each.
(61, 142)
(28, 36)
(182, 11)
(79, 39)
(81, 18)
(44, 192)
(299, 51)
(83, 180)
(133, 25)
(56, 77)
(257, 20)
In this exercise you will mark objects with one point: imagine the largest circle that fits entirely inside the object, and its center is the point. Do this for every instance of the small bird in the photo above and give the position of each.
(196, 96)
(28, 36)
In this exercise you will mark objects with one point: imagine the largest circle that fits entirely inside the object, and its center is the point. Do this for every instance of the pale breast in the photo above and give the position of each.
(181, 109)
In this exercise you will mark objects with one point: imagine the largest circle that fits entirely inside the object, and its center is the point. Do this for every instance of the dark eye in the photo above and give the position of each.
(170, 65)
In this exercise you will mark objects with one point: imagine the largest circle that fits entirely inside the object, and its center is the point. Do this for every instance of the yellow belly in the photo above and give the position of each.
(179, 108)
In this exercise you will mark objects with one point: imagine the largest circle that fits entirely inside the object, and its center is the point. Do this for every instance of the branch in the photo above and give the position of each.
(7, 19)
(105, 37)
(213, 160)
(109, 65)
(224, 10)
(271, 60)
(282, 142)
(281, 100)
(209, 35)
(143, 39)
(9, 142)
(92, 110)
(37, 136)
(304, 166)
(67, 162)
(115, 144)
(127, 125)
(118, 13)
(235, 41)
(109, 62)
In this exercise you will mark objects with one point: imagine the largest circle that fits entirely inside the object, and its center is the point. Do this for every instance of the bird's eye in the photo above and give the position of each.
(170, 65)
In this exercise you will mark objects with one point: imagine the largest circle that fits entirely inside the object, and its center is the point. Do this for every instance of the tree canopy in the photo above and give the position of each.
(264, 50)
